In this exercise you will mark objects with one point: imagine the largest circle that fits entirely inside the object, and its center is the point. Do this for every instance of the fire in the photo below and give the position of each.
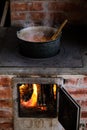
(31, 96)
(54, 90)
(43, 108)
(33, 100)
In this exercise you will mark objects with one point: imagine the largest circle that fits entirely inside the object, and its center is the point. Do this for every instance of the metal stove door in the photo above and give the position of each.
(68, 111)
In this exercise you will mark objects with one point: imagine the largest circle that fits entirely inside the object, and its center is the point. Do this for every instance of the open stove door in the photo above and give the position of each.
(68, 111)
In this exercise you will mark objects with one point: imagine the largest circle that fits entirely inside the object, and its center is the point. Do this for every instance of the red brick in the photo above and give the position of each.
(37, 16)
(18, 16)
(77, 90)
(5, 93)
(6, 126)
(35, 6)
(84, 114)
(5, 81)
(75, 12)
(71, 81)
(19, 6)
(82, 103)
(6, 113)
(5, 104)
(79, 96)
(85, 80)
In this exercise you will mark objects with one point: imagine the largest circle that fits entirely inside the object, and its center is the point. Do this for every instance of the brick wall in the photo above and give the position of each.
(25, 13)
(75, 85)
(6, 113)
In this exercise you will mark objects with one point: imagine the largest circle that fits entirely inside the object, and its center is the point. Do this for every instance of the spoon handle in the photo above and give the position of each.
(56, 34)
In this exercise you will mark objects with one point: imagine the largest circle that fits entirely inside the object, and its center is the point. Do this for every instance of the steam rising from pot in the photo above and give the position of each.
(47, 21)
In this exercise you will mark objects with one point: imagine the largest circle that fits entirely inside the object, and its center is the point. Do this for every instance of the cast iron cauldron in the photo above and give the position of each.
(32, 43)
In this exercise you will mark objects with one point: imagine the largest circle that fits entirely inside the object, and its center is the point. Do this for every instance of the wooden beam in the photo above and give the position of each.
(4, 14)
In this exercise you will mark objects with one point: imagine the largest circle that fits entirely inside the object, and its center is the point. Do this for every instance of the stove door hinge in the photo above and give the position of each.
(60, 81)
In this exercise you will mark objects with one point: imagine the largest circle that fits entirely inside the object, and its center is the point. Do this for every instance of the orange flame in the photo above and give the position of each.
(33, 101)
(54, 90)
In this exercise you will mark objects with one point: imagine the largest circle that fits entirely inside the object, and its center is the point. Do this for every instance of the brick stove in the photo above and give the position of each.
(16, 69)
(75, 83)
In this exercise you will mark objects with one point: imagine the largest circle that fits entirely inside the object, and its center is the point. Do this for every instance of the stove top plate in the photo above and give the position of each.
(69, 55)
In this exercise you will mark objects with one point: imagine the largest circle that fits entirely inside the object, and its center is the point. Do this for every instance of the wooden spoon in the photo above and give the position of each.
(56, 34)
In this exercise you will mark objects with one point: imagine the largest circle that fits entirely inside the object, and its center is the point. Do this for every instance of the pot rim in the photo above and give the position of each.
(21, 32)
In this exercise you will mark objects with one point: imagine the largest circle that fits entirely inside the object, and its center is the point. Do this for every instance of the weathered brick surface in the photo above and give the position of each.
(6, 124)
(74, 11)
(5, 81)
(5, 103)
(6, 112)
(78, 91)
(84, 114)
(18, 15)
(17, 6)
(77, 88)
(35, 6)
(85, 80)
(5, 93)
(82, 103)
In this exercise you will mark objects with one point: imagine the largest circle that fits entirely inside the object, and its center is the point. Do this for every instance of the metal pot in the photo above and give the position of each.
(38, 49)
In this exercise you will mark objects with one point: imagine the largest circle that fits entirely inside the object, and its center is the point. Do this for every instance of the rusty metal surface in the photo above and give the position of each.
(69, 55)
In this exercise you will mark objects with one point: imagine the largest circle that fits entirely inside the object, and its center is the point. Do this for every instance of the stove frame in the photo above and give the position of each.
(68, 99)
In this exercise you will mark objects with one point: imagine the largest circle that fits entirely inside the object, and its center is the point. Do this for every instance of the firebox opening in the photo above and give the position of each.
(37, 100)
